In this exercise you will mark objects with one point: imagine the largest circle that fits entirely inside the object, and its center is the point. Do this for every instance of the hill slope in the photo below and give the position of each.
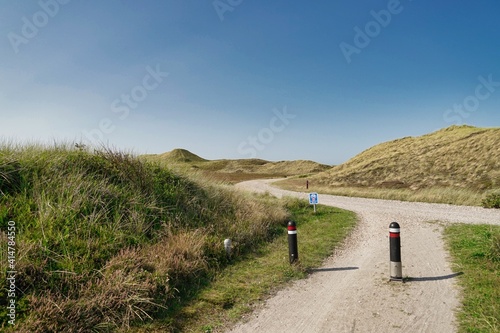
(457, 156)
(183, 159)
(104, 240)
(181, 156)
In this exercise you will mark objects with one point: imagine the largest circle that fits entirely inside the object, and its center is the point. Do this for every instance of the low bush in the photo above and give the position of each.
(492, 200)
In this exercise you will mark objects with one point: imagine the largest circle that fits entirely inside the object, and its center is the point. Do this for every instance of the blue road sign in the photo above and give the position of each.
(313, 198)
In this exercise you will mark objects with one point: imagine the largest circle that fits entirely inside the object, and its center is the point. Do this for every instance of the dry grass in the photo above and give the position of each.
(447, 195)
(458, 156)
(123, 294)
(251, 277)
(234, 170)
(457, 165)
(177, 156)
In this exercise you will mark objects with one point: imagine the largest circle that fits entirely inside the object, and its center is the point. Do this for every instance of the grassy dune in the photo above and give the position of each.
(458, 164)
(105, 241)
(233, 171)
(458, 156)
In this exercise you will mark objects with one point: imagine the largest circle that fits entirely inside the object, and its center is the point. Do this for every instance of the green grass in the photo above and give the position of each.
(251, 277)
(106, 241)
(475, 250)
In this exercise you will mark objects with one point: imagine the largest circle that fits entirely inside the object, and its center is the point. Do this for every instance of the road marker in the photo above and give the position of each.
(293, 251)
(395, 252)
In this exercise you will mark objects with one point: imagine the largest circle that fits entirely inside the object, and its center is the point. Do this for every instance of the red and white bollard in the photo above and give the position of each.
(395, 252)
(293, 252)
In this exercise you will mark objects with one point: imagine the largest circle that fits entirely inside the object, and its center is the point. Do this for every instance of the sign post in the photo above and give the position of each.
(313, 199)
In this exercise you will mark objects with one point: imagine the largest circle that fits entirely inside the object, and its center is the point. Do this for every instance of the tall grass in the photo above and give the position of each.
(458, 165)
(252, 277)
(457, 156)
(106, 240)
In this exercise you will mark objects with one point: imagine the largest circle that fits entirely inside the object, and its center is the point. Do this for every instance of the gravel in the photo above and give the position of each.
(351, 292)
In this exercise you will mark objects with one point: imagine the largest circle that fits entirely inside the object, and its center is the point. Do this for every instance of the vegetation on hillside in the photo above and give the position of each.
(178, 156)
(233, 171)
(105, 240)
(458, 156)
(250, 279)
(492, 200)
(458, 164)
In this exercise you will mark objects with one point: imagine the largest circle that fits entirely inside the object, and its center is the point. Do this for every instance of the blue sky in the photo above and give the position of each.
(278, 80)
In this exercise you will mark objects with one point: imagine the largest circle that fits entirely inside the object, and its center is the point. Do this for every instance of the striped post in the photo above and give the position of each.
(395, 252)
(293, 252)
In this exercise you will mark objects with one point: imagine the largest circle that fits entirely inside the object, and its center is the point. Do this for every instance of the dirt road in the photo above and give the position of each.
(352, 292)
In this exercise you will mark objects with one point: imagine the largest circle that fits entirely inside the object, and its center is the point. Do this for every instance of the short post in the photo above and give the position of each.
(293, 252)
(395, 252)
(307, 184)
(227, 247)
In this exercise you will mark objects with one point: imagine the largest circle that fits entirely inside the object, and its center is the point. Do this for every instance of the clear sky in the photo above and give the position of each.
(274, 79)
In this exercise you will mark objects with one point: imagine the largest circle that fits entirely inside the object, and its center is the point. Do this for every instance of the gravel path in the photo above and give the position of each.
(351, 291)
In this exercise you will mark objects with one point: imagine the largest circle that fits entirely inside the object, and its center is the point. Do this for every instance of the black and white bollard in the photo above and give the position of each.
(293, 252)
(395, 252)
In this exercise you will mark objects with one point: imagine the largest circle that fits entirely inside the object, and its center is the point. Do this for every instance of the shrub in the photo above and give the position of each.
(492, 200)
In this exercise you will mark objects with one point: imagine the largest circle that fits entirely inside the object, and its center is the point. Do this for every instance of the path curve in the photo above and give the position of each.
(351, 291)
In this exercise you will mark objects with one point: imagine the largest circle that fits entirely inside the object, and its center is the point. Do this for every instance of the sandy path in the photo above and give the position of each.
(351, 292)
